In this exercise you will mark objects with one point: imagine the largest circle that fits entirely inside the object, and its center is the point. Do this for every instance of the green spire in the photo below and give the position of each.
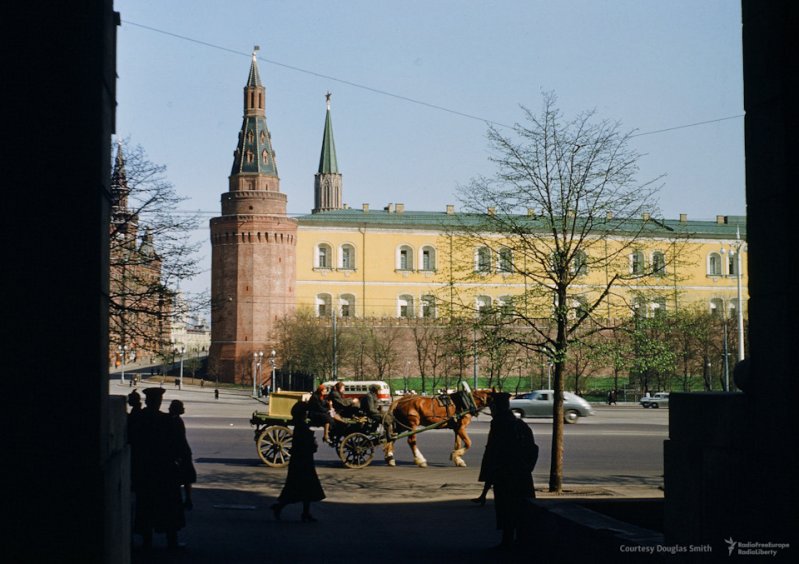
(327, 160)
(254, 79)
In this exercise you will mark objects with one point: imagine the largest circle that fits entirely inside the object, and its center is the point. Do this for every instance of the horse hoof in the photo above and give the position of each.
(422, 464)
(391, 462)
(460, 464)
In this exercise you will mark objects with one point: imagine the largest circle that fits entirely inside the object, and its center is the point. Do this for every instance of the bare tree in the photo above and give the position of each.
(151, 253)
(563, 203)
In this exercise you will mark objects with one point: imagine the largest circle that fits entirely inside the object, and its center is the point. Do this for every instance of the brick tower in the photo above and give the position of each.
(253, 249)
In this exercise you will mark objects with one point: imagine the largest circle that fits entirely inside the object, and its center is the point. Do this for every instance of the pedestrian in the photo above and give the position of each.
(302, 483)
(485, 467)
(159, 504)
(319, 411)
(615, 395)
(186, 474)
(610, 397)
(512, 454)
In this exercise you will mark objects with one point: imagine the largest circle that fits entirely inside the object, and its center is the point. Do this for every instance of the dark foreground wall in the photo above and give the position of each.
(731, 460)
(64, 465)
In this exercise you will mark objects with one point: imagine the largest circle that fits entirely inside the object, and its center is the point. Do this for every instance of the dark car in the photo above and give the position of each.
(539, 403)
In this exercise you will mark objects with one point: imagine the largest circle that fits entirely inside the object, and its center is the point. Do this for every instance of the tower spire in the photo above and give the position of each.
(327, 183)
(254, 166)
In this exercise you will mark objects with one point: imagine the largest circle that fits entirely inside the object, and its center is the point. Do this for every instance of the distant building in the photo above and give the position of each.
(398, 263)
(140, 306)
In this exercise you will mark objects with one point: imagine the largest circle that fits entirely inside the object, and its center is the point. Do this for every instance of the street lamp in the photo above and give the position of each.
(273, 363)
(257, 358)
(182, 350)
(735, 251)
(123, 350)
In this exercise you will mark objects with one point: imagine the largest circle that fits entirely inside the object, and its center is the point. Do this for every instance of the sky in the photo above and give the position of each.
(415, 84)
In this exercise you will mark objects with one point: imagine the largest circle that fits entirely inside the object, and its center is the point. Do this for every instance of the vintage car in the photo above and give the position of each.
(539, 403)
(660, 399)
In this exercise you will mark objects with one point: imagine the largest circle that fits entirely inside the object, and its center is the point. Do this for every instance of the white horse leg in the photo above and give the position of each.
(456, 457)
(418, 458)
(388, 454)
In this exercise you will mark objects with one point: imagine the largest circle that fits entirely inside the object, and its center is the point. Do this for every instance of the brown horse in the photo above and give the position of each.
(411, 412)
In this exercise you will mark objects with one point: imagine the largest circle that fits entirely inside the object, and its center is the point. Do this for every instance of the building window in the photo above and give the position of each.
(732, 265)
(405, 258)
(428, 258)
(483, 260)
(483, 305)
(658, 264)
(323, 256)
(428, 307)
(732, 309)
(637, 262)
(505, 260)
(347, 305)
(659, 307)
(323, 305)
(579, 264)
(405, 306)
(717, 307)
(714, 264)
(347, 257)
(505, 305)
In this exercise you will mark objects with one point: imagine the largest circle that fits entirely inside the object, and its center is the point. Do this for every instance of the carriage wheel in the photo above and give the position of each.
(356, 450)
(274, 443)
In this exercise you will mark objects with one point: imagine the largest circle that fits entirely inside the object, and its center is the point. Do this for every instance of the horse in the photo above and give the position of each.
(411, 412)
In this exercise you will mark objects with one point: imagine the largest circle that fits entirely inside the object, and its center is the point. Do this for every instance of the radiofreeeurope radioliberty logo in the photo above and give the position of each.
(753, 548)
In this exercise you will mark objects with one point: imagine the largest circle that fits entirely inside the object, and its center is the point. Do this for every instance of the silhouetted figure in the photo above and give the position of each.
(344, 407)
(319, 411)
(302, 483)
(159, 505)
(610, 397)
(187, 475)
(485, 468)
(512, 453)
(134, 417)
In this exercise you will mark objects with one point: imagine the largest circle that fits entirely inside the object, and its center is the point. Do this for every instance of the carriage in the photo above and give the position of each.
(354, 439)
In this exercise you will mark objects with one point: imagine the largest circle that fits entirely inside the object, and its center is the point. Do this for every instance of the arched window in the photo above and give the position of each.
(505, 305)
(658, 264)
(659, 307)
(483, 260)
(347, 303)
(323, 302)
(505, 260)
(405, 306)
(323, 258)
(347, 257)
(637, 262)
(714, 264)
(732, 309)
(405, 258)
(717, 307)
(428, 307)
(428, 258)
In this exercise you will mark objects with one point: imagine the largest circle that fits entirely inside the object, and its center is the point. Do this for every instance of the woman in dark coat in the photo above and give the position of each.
(302, 483)
(186, 474)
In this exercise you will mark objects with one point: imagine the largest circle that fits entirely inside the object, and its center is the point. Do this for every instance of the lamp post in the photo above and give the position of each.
(123, 351)
(257, 358)
(273, 363)
(180, 381)
(735, 251)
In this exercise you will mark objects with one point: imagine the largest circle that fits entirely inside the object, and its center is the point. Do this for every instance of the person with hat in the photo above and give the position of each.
(159, 504)
(344, 407)
(371, 409)
(510, 457)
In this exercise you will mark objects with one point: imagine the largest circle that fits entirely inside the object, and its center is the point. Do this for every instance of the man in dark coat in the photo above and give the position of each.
(511, 454)
(371, 408)
(159, 504)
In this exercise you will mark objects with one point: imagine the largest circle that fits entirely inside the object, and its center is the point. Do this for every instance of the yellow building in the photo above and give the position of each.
(396, 263)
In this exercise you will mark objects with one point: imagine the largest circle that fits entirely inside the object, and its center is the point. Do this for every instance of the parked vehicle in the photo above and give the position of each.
(660, 399)
(539, 403)
(359, 388)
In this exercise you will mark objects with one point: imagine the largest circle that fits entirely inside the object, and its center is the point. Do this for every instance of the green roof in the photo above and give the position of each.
(443, 220)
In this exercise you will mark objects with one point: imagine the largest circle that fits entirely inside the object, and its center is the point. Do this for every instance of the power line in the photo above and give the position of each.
(391, 94)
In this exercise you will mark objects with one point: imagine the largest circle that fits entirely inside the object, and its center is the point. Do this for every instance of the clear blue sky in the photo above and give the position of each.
(650, 64)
